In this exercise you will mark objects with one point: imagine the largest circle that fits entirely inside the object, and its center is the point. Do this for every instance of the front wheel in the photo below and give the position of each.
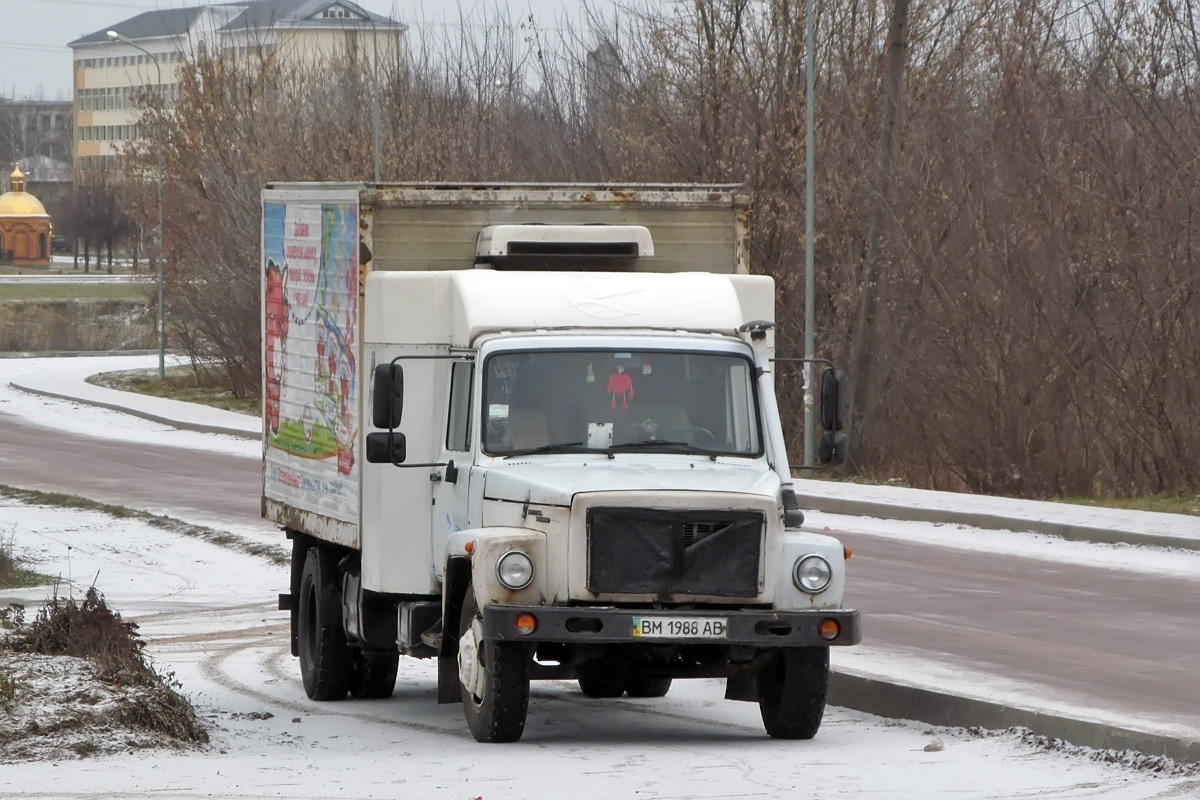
(326, 660)
(791, 692)
(494, 679)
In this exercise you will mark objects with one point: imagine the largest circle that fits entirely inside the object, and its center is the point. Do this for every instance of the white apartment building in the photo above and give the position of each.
(111, 75)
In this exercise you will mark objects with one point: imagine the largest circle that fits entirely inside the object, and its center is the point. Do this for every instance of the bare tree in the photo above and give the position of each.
(1015, 273)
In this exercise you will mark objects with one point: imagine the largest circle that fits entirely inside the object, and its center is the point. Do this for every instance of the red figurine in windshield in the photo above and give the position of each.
(620, 386)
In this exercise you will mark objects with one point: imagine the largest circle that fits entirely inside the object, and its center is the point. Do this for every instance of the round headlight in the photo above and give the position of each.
(515, 569)
(812, 574)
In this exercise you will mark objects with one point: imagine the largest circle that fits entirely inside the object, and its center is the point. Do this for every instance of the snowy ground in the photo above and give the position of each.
(209, 615)
(204, 610)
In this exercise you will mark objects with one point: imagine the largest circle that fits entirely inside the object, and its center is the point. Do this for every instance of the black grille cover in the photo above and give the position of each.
(661, 552)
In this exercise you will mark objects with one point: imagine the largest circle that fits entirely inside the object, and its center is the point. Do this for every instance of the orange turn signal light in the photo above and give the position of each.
(829, 629)
(847, 552)
(469, 547)
(525, 623)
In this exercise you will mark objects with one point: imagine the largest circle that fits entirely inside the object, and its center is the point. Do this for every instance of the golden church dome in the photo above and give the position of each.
(18, 202)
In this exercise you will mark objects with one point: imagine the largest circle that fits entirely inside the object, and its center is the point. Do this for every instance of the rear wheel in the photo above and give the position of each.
(643, 686)
(374, 675)
(791, 692)
(494, 679)
(326, 660)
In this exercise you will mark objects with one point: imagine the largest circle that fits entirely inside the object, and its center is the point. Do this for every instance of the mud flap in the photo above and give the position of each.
(449, 690)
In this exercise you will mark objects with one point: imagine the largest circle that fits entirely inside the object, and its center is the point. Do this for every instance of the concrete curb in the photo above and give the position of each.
(181, 425)
(87, 353)
(1077, 533)
(903, 701)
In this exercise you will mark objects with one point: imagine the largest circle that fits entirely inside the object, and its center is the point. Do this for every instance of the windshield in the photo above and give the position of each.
(611, 400)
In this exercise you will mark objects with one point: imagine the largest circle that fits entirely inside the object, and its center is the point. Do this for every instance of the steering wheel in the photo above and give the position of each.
(703, 437)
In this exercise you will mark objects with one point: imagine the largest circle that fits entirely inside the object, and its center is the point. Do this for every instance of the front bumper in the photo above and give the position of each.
(589, 625)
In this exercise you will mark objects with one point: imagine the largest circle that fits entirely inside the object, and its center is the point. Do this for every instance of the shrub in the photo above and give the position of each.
(93, 631)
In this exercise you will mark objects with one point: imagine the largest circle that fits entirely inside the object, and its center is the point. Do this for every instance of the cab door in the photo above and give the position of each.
(450, 510)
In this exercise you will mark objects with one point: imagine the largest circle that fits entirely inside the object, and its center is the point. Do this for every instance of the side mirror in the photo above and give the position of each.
(793, 517)
(833, 448)
(387, 398)
(832, 381)
(386, 448)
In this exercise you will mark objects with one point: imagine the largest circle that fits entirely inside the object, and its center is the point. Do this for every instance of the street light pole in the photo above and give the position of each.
(158, 238)
(809, 281)
(375, 94)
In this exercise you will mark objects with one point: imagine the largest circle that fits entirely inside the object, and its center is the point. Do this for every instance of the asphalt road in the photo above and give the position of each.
(1121, 641)
(1124, 641)
(186, 483)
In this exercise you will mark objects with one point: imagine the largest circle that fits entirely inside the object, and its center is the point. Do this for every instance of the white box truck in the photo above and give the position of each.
(530, 431)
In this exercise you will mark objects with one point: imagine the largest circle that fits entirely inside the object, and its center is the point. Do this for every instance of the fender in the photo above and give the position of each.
(796, 545)
(483, 547)
(470, 559)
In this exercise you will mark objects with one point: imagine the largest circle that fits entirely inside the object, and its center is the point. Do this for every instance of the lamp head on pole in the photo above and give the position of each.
(114, 36)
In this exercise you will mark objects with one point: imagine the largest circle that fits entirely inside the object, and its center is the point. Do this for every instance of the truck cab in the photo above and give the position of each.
(571, 468)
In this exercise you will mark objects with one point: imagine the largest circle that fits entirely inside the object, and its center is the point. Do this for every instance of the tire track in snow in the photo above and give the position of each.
(213, 668)
(277, 662)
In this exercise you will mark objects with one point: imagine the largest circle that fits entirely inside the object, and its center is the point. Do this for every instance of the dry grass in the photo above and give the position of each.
(13, 573)
(71, 289)
(1167, 503)
(91, 630)
(191, 384)
(74, 325)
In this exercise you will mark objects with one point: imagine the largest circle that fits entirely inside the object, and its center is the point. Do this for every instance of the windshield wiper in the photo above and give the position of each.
(563, 447)
(655, 444)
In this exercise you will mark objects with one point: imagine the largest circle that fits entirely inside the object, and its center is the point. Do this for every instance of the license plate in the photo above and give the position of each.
(680, 627)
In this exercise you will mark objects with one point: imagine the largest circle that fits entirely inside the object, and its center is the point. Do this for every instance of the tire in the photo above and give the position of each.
(326, 661)
(374, 675)
(602, 679)
(791, 692)
(642, 686)
(499, 715)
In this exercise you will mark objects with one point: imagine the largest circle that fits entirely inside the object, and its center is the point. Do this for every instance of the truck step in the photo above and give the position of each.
(433, 636)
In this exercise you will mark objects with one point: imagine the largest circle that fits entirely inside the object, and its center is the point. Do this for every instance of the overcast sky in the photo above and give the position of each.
(36, 62)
